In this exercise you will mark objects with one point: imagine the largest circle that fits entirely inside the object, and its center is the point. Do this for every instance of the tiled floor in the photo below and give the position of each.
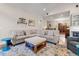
(21, 50)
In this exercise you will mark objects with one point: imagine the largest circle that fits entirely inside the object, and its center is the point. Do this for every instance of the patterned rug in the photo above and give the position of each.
(49, 50)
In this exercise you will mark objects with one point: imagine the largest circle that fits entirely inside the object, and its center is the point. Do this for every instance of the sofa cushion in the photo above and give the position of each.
(33, 31)
(20, 37)
(48, 36)
(31, 35)
(18, 33)
(50, 32)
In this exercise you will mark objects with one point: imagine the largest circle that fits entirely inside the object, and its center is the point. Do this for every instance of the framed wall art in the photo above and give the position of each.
(31, 22)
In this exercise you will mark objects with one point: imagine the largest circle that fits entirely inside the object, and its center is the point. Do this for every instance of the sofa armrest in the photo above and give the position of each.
(73, 39)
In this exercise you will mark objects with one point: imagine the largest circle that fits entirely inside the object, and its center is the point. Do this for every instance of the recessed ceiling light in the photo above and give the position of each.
(44, 9)
(76, 5)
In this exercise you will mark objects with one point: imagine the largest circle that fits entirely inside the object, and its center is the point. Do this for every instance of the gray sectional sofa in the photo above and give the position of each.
(18, 36)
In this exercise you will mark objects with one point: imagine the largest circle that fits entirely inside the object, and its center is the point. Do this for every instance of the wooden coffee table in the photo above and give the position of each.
(39, 46)
(36, 43)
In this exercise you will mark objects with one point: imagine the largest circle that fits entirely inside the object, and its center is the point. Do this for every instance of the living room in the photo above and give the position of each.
(38, 29)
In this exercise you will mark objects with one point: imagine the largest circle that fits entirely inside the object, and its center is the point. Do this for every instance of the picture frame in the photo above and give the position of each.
(21, 21)
(31, 22)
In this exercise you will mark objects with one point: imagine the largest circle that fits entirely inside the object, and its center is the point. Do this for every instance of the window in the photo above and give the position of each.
(75, 20)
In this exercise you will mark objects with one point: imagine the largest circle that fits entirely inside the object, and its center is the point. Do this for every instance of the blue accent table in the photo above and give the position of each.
(5, 47)
(8, 40)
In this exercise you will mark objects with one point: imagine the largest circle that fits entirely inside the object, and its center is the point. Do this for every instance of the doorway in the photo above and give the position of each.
(63, 29)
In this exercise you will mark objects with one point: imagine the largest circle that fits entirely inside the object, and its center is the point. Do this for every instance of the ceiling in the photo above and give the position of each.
(37, 8)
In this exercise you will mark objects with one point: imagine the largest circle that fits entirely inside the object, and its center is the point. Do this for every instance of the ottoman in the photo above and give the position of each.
(35, 43)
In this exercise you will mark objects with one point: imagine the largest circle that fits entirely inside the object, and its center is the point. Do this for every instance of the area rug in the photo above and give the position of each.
(49, 50)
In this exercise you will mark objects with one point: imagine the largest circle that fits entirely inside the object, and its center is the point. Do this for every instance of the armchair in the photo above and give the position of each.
(73, 44)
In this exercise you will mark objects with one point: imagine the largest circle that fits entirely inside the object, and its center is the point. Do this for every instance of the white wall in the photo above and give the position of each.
(9, 17)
